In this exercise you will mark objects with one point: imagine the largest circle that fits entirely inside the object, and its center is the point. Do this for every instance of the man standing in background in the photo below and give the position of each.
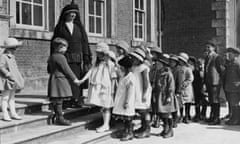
(212, 76)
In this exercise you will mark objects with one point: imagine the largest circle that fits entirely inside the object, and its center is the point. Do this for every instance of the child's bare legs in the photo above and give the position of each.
(5, 97)
(106, 120)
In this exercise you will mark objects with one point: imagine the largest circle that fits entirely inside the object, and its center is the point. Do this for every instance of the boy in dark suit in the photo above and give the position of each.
(212, 77)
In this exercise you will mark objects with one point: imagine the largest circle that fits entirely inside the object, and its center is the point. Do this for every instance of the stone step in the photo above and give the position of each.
(91, 136)
(40, 119)
(42, 96)
(31, 105)
(46, 133)
(86, 137)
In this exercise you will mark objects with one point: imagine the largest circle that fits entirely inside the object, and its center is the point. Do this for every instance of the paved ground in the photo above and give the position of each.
(193, 133)
(190, 134)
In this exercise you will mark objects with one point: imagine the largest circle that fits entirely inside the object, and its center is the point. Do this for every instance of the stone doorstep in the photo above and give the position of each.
(44, 134)
(105, 136)
(40, 119)
(26, 104)
(29, 107)
(33, 96)
(90, 136)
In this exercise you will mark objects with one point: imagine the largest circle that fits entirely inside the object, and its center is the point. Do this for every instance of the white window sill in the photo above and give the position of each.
(31, 34)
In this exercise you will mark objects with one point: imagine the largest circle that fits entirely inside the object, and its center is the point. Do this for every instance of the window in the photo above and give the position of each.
(1, 3)
(139, 19)
(31, 13)
(95, 19)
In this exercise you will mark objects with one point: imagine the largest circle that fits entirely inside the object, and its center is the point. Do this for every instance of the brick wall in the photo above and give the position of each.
(32, 56)
(188, 25)
(124, 20)
(32, 62)
(219, 23)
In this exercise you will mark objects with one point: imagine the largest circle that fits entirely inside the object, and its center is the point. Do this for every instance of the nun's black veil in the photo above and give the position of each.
(61, 24)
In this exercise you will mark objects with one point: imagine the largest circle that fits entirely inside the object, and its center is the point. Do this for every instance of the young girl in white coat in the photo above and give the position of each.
(141, 71)
(11, 78)
(100, 90)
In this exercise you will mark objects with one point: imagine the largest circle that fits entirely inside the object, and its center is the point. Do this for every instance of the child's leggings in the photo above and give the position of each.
(8, 99)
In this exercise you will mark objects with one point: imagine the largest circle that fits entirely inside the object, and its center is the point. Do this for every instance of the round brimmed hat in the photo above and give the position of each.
(11, 43)
(156, 50)
(233, 50)
(164, 58)
(71, 8)
(174, 57)
(126, 61)
(139, 54)
(102, 47)
(124, 45)
(183, 57)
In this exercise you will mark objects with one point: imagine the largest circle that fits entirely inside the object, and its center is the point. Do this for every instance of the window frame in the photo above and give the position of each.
(144, 21)
(104, 18)
(45, 14)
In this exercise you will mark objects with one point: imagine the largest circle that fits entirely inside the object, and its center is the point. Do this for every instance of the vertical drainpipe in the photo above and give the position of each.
(159, 23)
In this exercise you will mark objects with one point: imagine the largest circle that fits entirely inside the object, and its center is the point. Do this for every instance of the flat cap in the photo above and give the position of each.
(233, 50)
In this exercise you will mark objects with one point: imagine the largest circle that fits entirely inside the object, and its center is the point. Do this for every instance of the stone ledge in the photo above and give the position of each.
(218, 23)
(218, 5)
(220, 14)
(148, 44)
(220, 31)
(30, 34)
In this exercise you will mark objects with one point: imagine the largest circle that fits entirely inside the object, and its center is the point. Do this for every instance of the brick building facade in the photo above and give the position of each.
(172, 25)
(33, 21)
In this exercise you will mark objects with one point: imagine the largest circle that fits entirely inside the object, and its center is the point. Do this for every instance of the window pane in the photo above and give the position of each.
(91, 7)
(140, 18)
(17, 13)
(98, 8)
(141, 5)
(38, 1)
(26, 14)
(91, 24)
(136, 3)
(136, 17)
(27, 0)
(99, 25)
(38, 17)
(136, 31)
(140, 31)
